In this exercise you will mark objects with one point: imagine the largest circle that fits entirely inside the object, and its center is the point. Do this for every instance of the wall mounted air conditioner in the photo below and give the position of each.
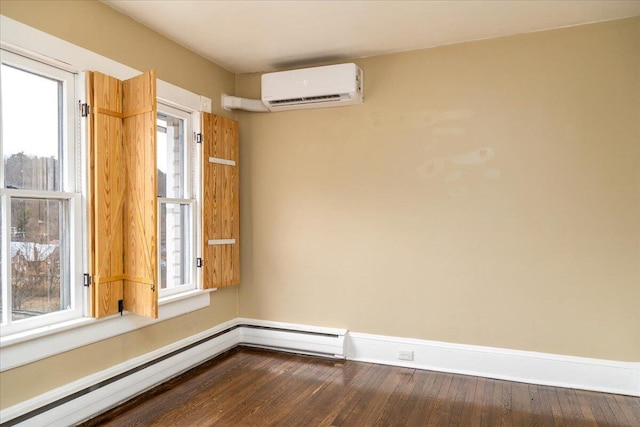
(317, 87)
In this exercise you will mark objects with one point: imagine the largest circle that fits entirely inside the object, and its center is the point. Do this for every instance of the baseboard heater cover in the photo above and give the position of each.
(294, 341)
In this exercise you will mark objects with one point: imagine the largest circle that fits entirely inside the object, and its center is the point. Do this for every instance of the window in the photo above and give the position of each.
(176, 201)
(19, 343)
(40, 235)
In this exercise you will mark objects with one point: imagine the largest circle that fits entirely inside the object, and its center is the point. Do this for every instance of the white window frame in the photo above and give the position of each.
(25, 347)
(68, 193)
(190, 172)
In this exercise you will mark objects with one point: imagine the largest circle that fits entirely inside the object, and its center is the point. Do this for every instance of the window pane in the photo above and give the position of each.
(38, 257)
(31, 154)
(175, 256)
(171, 156)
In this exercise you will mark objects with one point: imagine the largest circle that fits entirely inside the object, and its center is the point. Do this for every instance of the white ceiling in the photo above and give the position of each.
(252, 36)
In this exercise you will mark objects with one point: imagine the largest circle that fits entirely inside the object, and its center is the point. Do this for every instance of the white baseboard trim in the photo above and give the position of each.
(490, 362)
(94, 394)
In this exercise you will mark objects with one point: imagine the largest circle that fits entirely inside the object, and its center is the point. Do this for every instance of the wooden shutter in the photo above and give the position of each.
(221, 202)
(123, 202)
(141, 206)
(107, 193)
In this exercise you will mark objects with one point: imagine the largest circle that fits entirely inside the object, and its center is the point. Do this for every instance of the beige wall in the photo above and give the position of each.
(101, 29)
(485, 193)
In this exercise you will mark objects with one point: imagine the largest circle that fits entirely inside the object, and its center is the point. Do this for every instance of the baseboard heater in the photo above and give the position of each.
(91, 398)
(315, 343)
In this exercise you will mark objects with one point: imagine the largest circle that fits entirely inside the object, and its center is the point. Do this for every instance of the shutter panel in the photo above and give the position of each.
(221, 202)
(123, 204)
(107, 193)
(141, 206)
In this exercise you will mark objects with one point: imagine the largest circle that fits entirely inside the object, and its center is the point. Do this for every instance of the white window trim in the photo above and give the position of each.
(190, 198)
(26, 347)
(75, 260)
(69, 191)
(193, 283)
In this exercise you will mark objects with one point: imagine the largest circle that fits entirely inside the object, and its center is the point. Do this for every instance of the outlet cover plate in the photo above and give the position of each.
(405, 355)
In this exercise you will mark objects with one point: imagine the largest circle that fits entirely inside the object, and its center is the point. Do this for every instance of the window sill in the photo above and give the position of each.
(27, 347)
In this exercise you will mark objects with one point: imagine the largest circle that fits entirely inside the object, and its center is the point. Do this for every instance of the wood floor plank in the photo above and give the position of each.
(582, 413)
(521, 405)
(486, 416)
(252, 387)
(400, 401)
(288, 395)
(433, 418)
(300, 402)
(472, 409)
(367, 391)
(325, 395)
(630, 407)
(214, 402)
(345, 399)
(370, 408)
(425, 395)
(569, 408)
(255, 395)
(617, 415)
(455, 401)
(437, 415)
(596, 410)
(503, 396)
(556, 411)
(540, 413)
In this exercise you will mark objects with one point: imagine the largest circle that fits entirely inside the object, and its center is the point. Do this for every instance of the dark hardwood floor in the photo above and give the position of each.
(250, 387)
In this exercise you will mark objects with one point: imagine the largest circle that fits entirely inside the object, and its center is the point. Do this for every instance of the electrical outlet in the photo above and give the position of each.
(405, 355)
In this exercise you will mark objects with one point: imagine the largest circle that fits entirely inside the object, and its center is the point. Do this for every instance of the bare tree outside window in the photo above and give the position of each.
(35, 257)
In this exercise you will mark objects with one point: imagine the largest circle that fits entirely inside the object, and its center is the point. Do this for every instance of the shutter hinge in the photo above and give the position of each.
(198, 138)
(87, 279)
(198, 262)
(84, 109)
(120, 306)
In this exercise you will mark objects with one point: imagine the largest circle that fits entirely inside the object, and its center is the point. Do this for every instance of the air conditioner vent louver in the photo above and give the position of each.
(327, 86)
(290, 101)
